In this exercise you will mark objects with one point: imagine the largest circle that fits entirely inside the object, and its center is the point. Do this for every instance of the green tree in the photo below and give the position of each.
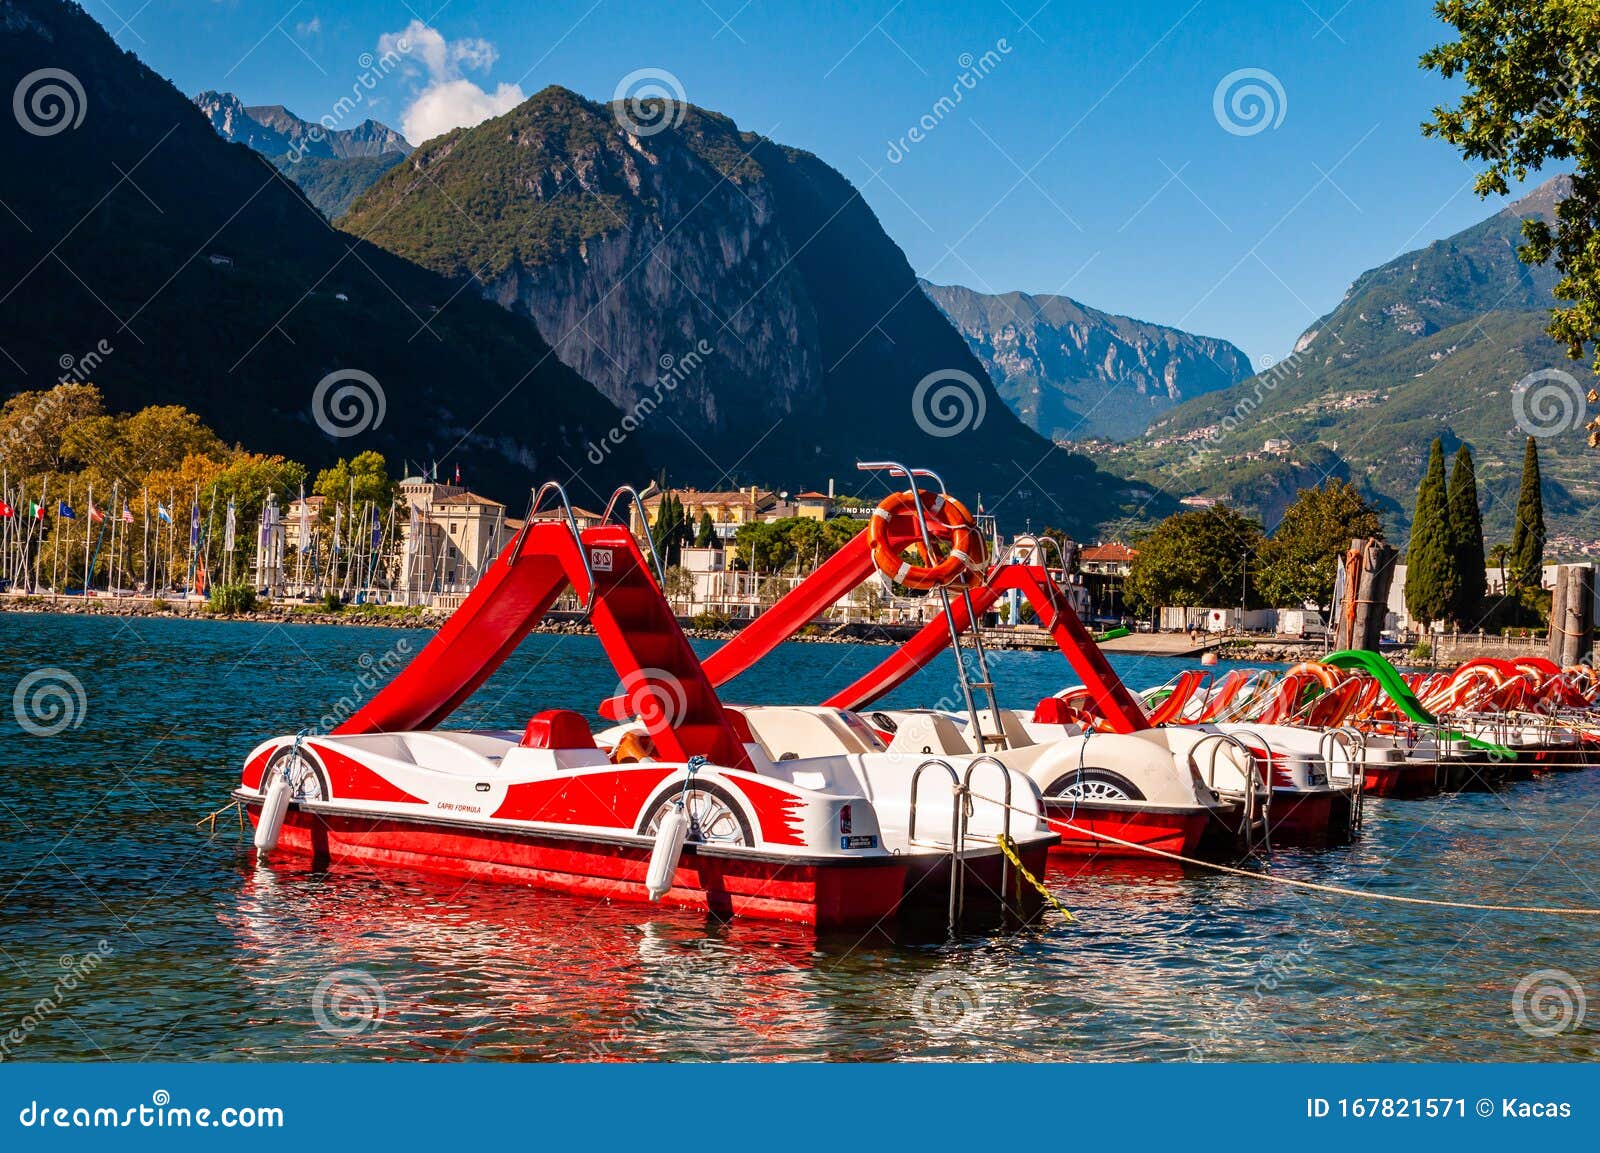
(1466, 540)
(1196, 559)
(707, 534)
(1300, 561)
(368, 472)
(1527, 535)
(1528, 71)
(1432, 579)
(671, 529)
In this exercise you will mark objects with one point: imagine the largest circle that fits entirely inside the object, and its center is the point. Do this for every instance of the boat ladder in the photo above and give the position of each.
(1254, 808)
(961, 809)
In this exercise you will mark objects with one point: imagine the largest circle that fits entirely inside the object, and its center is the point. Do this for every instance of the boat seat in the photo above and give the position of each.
(1054, 711)
(557, 729)
(929, 733)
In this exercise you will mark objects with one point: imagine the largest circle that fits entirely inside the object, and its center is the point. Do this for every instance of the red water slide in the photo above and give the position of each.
(660, 676)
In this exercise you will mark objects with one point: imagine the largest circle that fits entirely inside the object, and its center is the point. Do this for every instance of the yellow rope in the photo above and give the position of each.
(1312, 885)
(1016, 861)
(211, 818)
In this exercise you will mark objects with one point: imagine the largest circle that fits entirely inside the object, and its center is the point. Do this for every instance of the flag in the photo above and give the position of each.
(458, 474)
(163, 514)
(36, 510)
(194, 525)
(65, 509)
(6, 510)
(227, 530)
(305, 521)
(95, 514)
(127, 513)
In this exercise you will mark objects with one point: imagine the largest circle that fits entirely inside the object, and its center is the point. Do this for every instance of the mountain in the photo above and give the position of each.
(331, 166)
(273, 130)
(199, 276)
(1073, 371)
(1429, 344)
(737, 297)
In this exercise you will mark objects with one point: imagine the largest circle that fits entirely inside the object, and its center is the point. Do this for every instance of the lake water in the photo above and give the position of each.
(128, 933)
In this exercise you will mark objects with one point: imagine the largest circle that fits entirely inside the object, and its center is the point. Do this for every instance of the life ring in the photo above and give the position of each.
(948, 521)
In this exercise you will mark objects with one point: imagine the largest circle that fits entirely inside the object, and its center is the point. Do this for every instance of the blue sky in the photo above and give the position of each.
(1088, 158)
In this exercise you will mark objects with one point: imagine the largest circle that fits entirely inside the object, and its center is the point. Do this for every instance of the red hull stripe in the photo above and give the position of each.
(615, 803)
(350, 780)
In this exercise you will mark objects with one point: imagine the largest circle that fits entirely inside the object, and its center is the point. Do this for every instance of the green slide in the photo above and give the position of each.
(1400, 693)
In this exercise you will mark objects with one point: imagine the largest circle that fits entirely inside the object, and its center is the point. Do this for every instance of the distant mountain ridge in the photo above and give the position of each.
(1431, 343)
(1071, 371)
(738, 294)
(331, 166)
(273, 130)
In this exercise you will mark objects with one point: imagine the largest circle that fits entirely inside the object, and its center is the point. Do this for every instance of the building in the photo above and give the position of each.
(728, 509)
(1104, 569)
(814, 505)
(448, 536)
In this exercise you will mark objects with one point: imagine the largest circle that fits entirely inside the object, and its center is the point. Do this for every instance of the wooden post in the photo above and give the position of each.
(1558, 616)
(1368, 586)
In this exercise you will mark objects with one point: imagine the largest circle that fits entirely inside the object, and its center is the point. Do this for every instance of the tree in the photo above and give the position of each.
(1530, 98)
(1466, 540)
(367, 472)
(707, 535)
(670, 532)
(1301, 560)
(1527, 536)
(1497, 557)
(1196, 559)
(1432, 580)
(34, 426)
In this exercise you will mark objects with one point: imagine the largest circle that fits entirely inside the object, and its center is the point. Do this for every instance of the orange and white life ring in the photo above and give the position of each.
(948, 522)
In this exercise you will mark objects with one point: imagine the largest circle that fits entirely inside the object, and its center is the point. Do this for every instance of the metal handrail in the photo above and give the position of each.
(644, 520)
(1005, 810)
(1252, 777)
(1355, 751)
(572, 524)
(958, 822)
(911, 475)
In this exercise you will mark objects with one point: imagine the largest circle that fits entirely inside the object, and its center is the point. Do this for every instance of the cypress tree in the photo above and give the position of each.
(1432, 582)
(1466, 530)
(1527, 537)
(707, 535)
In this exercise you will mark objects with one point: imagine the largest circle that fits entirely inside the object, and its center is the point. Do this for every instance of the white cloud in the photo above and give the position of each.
(447, 99)
(455, 104)
(309, 27)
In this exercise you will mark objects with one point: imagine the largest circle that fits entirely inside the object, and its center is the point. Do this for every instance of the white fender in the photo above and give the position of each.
(273, 809)
(670, 837)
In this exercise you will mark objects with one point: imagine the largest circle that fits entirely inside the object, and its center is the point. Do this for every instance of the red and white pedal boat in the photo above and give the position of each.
(832, 840)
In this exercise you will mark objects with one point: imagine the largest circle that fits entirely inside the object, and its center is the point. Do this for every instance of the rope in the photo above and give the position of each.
(1311, 885)
(1016, 863)
(211, 818)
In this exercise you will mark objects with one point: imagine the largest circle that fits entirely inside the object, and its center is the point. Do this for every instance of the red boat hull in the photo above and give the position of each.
(1168, 830)
(1404, 780)
(1302, 816)
(826, 895)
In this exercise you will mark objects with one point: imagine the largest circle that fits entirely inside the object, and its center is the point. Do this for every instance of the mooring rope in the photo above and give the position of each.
(1315, 886)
